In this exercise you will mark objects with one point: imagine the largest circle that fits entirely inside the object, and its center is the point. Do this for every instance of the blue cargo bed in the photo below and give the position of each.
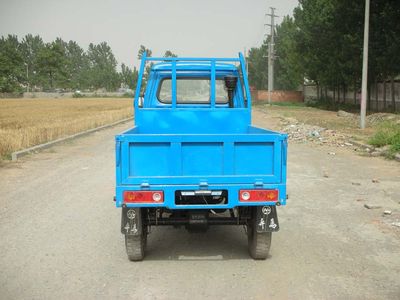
(255, 158)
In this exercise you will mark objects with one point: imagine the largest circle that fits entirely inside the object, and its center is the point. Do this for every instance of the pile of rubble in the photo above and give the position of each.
(305, 133)
(381, 117)
(372, 119)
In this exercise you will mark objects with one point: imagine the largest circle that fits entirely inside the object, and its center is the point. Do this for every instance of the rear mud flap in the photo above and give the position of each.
(131, 221)
(267, 219)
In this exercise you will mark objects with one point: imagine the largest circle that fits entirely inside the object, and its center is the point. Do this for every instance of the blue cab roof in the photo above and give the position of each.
(193, 66)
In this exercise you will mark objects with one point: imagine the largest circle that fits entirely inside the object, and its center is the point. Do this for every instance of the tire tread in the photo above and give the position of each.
(135, 247)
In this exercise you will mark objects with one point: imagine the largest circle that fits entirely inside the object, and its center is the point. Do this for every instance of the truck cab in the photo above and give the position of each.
(193, 159)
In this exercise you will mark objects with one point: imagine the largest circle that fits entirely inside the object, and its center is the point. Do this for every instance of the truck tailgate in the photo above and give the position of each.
(256, 156)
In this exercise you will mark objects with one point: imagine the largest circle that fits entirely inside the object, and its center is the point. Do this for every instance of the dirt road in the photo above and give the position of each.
(60, 235)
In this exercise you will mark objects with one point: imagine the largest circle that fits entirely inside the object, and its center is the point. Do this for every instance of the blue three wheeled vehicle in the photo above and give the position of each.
(193, 159)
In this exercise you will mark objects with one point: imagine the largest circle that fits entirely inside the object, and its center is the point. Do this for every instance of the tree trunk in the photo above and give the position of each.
(369, 97)
(334, 95)
(320, 92)
(392, 93)
(376, 95)
(384, 94)
(355, 91)
(344, 94)
(326, 93)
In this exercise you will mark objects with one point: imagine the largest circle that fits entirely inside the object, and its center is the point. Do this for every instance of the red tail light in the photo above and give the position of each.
(258, 195)
(143, 197)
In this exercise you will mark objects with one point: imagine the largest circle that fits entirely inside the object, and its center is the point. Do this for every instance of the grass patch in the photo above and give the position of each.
(284, 104)
(327, 104)
(388, 133)
(28, 122)
(289, 104)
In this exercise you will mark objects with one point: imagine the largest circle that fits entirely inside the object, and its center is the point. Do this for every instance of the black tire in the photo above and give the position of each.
(259, 243)
(136, 244)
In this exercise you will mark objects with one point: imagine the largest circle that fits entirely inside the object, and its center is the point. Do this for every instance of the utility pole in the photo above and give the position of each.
(363, 111)
(247, 61)
(271, 54)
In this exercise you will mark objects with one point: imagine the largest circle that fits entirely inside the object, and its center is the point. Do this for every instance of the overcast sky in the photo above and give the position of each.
(189, 28)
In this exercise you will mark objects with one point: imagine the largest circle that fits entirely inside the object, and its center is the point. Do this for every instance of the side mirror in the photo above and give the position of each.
(141, 100)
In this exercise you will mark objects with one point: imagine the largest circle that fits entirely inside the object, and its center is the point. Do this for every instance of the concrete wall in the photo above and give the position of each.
(376, 102)
(10, 95)
(277, 96)
(70, 94)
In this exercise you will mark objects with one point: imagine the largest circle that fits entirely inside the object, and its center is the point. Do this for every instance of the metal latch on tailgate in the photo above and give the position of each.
(203, 185)
(258, 184)
(144, 185)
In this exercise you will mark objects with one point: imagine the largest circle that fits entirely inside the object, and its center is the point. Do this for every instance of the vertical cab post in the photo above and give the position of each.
(245, 80)
(173, 87)
(212, 86)
(139, 82)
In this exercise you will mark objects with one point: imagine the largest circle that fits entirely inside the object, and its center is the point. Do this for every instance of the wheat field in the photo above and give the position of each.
(28, 122)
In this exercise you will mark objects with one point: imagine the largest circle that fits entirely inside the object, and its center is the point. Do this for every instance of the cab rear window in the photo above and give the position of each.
(192, 91)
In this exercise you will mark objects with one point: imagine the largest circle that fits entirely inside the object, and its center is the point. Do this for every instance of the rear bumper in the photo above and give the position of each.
(169, 195)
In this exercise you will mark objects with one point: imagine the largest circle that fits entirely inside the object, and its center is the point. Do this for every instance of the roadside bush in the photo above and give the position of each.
(78, 95)
(127, 95)
(327, 104)
(388, 134)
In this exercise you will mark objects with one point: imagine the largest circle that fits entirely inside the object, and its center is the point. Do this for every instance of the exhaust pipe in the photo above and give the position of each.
(230, 84)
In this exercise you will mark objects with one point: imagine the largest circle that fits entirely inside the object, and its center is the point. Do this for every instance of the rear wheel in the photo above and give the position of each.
(259, 243)
(136, 244)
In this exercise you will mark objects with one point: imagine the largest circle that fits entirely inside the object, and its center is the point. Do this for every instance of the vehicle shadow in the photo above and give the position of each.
(218, 243)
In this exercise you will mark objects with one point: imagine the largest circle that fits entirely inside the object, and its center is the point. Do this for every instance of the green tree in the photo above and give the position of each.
(316, 40)
(384, 62)
(348, 23)
(12, 68)
(258, 67)
(30, 49)
(103, 64)
(129, 76)
(169, 53)
(142, 50)
(51, 65)
(77, 66)
(329, 39)
(289, 75)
